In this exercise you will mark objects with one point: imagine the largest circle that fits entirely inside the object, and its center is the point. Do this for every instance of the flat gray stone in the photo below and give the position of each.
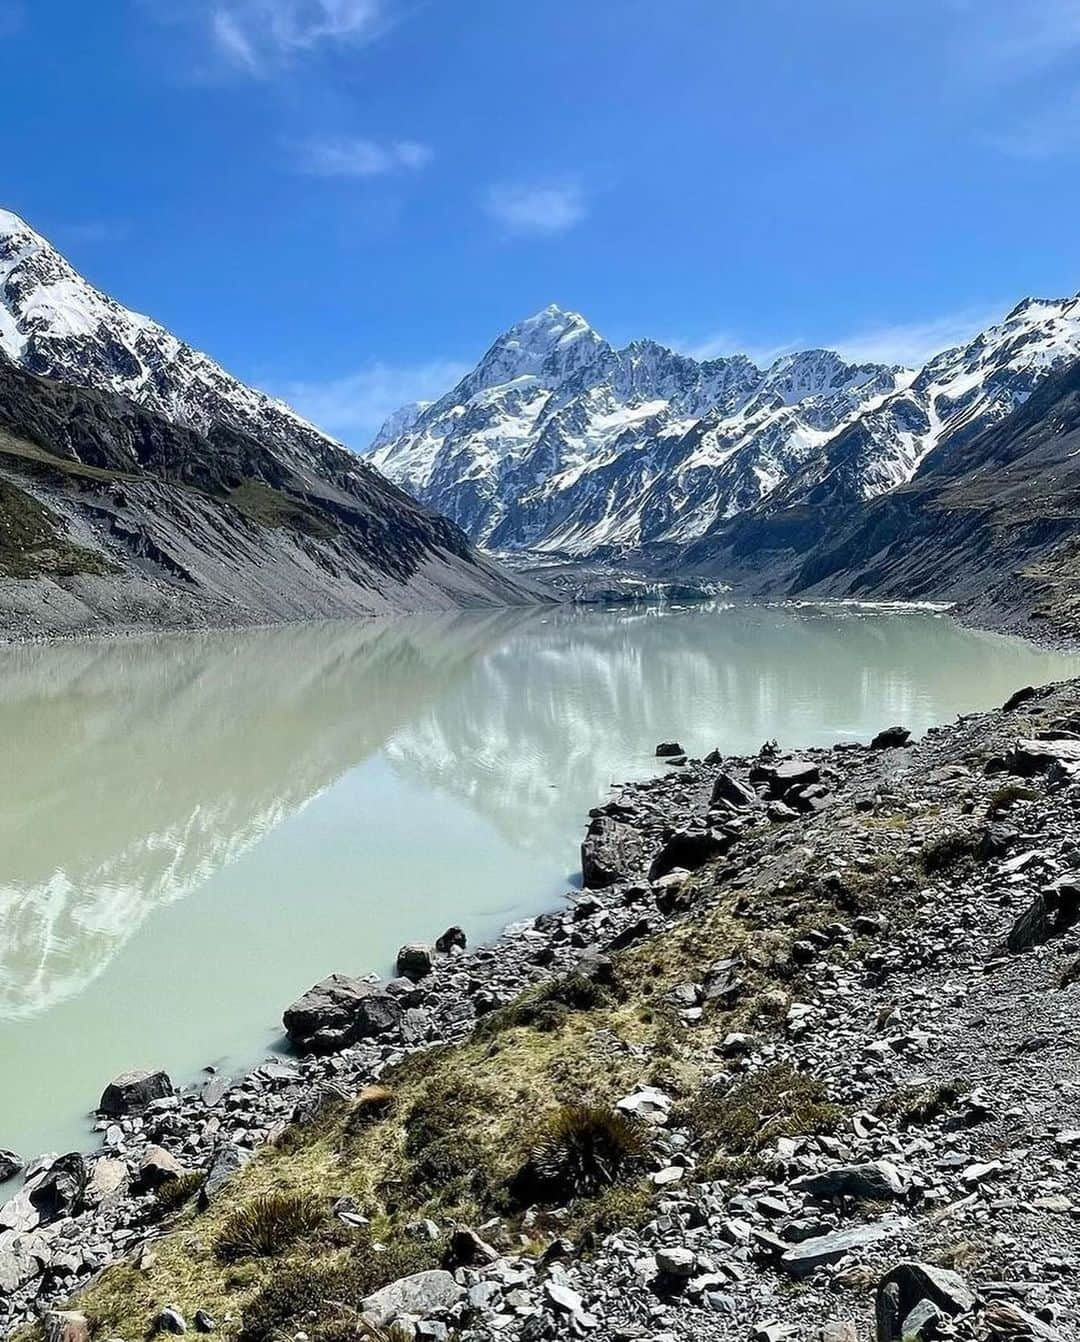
(421, 1294)
(802, 1259)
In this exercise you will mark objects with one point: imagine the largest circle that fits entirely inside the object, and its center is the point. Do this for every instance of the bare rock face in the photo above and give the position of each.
(131, 1092)
(337, 1012)
(611, 850)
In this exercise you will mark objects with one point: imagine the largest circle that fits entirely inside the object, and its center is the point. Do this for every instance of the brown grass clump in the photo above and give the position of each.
(775, 1102)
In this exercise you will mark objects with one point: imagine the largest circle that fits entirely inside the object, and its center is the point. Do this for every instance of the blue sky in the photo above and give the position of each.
(346, 200)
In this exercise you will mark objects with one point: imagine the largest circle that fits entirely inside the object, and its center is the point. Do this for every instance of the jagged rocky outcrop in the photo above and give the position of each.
(989, 519)
(141, 483)
(558, 442)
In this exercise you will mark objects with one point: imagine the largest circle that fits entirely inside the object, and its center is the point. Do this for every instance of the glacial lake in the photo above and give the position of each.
(194, 829)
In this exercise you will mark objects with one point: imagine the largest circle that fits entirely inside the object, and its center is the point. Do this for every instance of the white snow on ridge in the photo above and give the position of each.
(624, 448)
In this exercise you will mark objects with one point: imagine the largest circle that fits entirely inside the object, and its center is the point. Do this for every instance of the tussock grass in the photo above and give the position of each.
(583, 1149)
(268, 1224)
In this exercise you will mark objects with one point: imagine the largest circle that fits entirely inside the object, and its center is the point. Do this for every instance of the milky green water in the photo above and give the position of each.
(194, 829)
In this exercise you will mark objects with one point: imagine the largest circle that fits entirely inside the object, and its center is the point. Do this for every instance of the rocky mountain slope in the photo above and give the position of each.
(557, 442)
(140, 483)
(798, 1067)
(991, 519)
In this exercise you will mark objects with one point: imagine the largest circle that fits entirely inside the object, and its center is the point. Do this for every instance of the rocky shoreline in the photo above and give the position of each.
(901, 950)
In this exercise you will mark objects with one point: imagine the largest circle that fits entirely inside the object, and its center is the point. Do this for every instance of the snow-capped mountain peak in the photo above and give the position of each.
(559, 442)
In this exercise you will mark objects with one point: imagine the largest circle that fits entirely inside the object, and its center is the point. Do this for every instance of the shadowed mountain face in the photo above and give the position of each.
(141, 483)
(992, 519)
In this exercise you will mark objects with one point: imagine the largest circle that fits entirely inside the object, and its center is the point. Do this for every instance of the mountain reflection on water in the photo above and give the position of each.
(193, 829)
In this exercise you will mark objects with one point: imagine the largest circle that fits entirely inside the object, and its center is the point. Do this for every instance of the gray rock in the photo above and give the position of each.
(922, 1323)
(453, 939)
(414, 960)
(1017, 698)
(802, 1259)
(422, 1294)
(562, 1297)
(676, 1262)
(891, 738)
(668, 748)
(735, 794)
(10, 1165)
(158, 1167)
(907, 1286)
(1052, 912)
(1029, 757)
(131, 1092)
(467, 1249)
(779, 777)
(648, 1104)
(170, 1320)
(59, 1190)
(610, 851)
(874, 1181)
(337, 1012)
(689, 850)
(108, 1181)
(228, 1160)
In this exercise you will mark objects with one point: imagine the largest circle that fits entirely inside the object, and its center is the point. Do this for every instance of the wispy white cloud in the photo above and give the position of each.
(538, 208)
(257, 37)
(1022, 59)
(359, 157)
(718, 344)
(354, 407)
(913, 343)
(908, 343)
(1002, 41)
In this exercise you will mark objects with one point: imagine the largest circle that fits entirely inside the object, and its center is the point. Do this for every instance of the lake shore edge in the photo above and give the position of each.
(636, 906)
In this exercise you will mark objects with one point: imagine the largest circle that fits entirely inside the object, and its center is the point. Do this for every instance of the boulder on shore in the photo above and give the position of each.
(414, 960)
(666, 748)
(735, 794)
(611, 851)
(689, 850)
(131, 1092)
(779, 777)
(891, 739)
(339, 1010)
(10, 1165)
(453, 939)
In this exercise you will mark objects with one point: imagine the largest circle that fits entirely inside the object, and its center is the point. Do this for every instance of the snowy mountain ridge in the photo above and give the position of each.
(559, 442)
(203, 500)
(55, 323)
